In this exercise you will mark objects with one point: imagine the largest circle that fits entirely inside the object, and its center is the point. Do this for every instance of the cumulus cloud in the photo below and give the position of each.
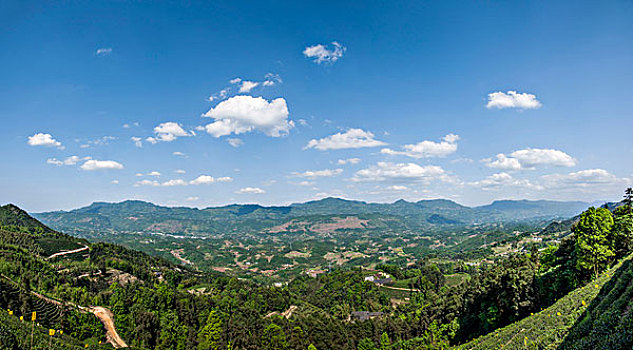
(512, 99)
(179, 154)
(167, 132)
(251, 190)
(247, 86)
(72, 160)
(46, 140)
(502, 180)
(427, 149)
(318, 173)
(137, 141)
(103, 51)
(348, 161)
(93, 164)
(530, 158)
(241, 114)
(322, 54)
(401, 172)
(180, 171)
(353, 138)
(200, 180)
(206, 179)
(153, 173)
(397, 188)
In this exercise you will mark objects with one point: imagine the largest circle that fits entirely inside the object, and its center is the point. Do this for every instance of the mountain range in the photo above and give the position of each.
(140, 216)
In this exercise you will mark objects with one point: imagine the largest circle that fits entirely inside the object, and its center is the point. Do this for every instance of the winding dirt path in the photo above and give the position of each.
(68, 252)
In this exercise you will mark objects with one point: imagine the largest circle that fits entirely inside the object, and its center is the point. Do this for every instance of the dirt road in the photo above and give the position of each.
(67, 252)
(106, 317)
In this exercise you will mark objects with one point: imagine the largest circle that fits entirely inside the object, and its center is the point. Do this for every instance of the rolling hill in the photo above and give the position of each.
(139, 216)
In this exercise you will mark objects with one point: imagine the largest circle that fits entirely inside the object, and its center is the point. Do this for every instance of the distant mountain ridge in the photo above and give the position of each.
(141, 216)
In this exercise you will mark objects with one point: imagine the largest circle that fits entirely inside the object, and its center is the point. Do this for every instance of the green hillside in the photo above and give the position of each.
(592, 317)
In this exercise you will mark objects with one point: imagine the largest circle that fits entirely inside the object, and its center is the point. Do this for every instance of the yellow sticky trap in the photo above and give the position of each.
(22, 318)
(51, 332)
(33, 315)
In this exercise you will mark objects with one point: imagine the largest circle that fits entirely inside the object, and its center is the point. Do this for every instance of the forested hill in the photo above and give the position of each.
(139, 216)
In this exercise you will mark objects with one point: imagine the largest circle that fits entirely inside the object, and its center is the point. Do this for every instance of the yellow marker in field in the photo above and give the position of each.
(33, 315)
(51, 332)
(583, 303)
(558, 313)
(86, 346)
(22, 318)
(61, 331)
(10, 312)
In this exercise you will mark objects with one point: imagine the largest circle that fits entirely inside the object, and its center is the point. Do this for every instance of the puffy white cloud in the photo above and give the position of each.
(103, 51)
(401, 172)
(318, 173)
(251, 190)
(512, 99)
(180, 171)
(247, 86)
(397, 188)
(503, 180)
(167, 132)
(353, 138)
(529, 158)
(153, 173)
(46, 140)
(235, 80)
(322, 54)
(241, 114)
(235, 142)
(179, 154)
(200, 180)
(93, 164)
(348, 161)
(115, 182)
(206, 179)
(192, 198)
(72, 160)
(137, 141)
(427, 149)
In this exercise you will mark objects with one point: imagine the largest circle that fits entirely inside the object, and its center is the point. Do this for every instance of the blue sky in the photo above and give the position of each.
(282, 102)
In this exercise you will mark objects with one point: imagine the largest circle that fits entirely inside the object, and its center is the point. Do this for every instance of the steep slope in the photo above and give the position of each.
(574, 316)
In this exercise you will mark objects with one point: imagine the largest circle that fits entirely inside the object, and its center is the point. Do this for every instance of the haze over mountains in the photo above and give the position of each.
(134, 215)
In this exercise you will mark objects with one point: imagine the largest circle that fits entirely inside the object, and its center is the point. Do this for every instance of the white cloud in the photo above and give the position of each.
(321, 54)
(72, 160)
(206, 179)
(174, 182)
(427, 149)
(503, 180)
(180, 171)
(512, 99)
(235, 142)
(397, 188)
(220, 95)
(252, 190)
(401, 172)
(192, 198)
(115, 182)
(153, 173)
(583, 179)
(46, 140)
(247, 86)
(93, 164)
(235, 80)
(529, 158)
(167, 132)
(104, 51)
(241, 114)
(137, 141)
(348, 161)
(318, 173)
(353, 138)
(179, 154)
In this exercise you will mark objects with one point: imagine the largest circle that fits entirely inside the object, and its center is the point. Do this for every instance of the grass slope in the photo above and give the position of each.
(550, 327)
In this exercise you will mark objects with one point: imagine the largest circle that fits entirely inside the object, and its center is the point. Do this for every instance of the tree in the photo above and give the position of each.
(312, 347)
(628, 198)
(593, 244)
(210, 335)
(274, 338)
(623, 231)
(366, 344)
(385, 343)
